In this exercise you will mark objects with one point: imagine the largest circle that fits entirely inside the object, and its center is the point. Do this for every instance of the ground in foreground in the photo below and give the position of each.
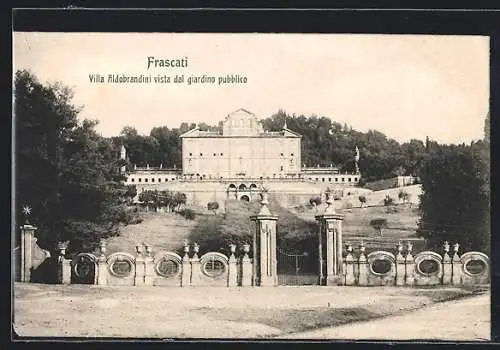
(162, 312)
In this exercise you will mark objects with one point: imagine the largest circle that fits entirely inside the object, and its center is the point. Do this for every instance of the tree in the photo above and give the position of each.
(315, 201)
(403, 196)
(378, 224)
(213, 206)
(362, 200)
(65, 170)
(455, 202)
(388, 200)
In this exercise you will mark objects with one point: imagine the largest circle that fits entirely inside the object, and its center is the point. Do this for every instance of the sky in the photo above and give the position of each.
(406, 86)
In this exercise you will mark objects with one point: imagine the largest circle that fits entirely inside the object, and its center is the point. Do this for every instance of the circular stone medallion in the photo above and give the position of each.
(381, 266)
(121, 268)
(475, 267)
(428, 267)
(167, 267)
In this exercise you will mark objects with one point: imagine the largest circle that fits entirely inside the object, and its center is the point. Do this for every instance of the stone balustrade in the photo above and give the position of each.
(425, 268)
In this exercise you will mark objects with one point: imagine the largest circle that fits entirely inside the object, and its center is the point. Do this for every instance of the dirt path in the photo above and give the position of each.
(466, 319)
(211, 312)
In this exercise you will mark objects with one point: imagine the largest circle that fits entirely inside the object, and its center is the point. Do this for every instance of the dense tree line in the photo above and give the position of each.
(169, 200)
(324, 142)
(65, 171)
(455, 204)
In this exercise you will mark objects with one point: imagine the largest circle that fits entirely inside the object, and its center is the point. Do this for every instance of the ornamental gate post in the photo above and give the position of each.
(102, 266)
(265, 272)
(330, 236)
(27, 239)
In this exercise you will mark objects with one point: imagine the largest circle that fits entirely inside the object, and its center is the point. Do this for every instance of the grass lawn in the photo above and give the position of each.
(163, 231)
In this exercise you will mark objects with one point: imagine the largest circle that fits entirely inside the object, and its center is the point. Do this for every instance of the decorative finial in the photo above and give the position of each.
(446, 246)
(246, 248)
(196, 249)
(186, 250)
(409, 247)
(102, 247)
(62, 246)
(330, 208)
(149, 249)
(264, 209)
(400, 247)
(362, 247)
(348, 248)
(232, 248)
(139, 248)
(27, 213)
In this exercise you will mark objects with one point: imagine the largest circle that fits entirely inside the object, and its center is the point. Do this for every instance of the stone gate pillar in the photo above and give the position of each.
(265, 271)
(330, 244)
(27, 240)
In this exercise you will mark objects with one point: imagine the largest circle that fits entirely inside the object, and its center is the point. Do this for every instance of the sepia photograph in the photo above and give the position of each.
(276, 186)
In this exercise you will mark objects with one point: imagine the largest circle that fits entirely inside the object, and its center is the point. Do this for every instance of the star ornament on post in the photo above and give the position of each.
(26, 212)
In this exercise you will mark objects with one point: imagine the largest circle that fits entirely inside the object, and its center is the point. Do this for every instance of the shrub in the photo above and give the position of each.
(388, 200)
(189, 214)
(404, 196)
(213, 206)
(314, 201)
(378, 224)
(362, 200)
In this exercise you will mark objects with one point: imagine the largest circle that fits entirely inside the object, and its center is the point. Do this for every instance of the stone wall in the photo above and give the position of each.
(398, 181)
(289, 192)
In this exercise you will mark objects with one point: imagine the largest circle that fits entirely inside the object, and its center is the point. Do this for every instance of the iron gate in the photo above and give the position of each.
(297, 269)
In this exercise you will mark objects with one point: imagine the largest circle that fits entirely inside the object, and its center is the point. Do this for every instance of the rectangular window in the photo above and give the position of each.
(349, 179)
(190, 153)
(355, 179)
(159, 180)
(139, 179)
(281, 168)
(201, 154)
(133, 180)
(166, 179)
(336, 179)
(343, 180)
(215, 154)
(153, 180)
(145, 180)
(329, 179)
(291, 154)
(282, 154)
(323, 179)
(222, 154)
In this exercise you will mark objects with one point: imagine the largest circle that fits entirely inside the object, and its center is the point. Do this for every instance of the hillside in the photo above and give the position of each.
(297, 228)
(160, 230)
(376, 198)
